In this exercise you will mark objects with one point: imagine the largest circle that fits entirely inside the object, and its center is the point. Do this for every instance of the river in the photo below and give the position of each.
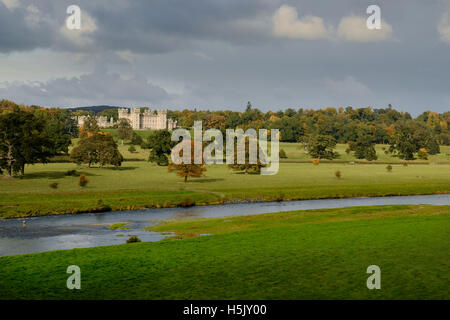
(46, 233)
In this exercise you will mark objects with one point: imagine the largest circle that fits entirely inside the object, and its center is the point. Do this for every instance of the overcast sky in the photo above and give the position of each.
(218, 54)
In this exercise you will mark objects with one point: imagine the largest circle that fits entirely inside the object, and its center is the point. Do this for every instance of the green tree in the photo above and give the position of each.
(161, 146)
(290, 131)
(110, 113)
(136, 139)
(23, 140)
(97, 148)
(90, 126)
(70, 125)
(59, 134)
(124, 130)
(409, 137)
(364, 146)
(108, 152)
(321, 147)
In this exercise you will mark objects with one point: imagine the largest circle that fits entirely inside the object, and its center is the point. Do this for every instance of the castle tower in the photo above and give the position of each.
(123, 113)
(135, 118)
(161, 122)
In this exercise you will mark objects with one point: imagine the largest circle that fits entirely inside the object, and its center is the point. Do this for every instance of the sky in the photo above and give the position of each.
(219, 54)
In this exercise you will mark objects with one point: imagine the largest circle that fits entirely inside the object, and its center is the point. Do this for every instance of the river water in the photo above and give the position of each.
(37, 234)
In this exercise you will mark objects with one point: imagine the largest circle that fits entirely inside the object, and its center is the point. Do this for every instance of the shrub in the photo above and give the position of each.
(283, 154)
(53, 185)
(405, 164)
(82, 180)
(137, 139)
(337, 174)
(389, 168)
(71, 173)
(133, 239)
(132, 149)
(422, 154)
(347, 151)
(315, 161)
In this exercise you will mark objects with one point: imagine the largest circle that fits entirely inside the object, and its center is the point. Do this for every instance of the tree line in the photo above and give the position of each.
(342, 123)
(32, 134)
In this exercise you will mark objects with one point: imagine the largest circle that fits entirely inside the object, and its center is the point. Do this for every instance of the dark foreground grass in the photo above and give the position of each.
(321, 254)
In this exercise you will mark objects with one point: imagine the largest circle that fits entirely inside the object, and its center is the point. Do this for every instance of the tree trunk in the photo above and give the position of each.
(185, 179)
(122, 141)
(8, 171)
(9, 161)
(22, 170)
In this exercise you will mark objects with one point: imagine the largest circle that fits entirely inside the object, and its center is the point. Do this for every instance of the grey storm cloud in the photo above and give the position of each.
(95, 88)
(142, 26)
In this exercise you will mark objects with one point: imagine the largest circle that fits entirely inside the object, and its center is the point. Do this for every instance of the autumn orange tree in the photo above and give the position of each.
(187, 170)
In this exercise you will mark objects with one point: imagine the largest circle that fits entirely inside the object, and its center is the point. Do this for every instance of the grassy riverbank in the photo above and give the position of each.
(138, 185)
(314, 254)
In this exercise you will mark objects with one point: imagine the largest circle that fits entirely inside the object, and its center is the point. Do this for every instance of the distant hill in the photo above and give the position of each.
(95, 109)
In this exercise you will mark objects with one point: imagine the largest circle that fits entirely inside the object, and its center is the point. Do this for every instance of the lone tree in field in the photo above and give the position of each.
(186, 170)
(124, 130)
(364, 146)
(97, 148)
(321, 147)
(161, 146)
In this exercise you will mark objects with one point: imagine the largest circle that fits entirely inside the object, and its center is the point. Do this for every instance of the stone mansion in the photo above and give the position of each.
(151, 120)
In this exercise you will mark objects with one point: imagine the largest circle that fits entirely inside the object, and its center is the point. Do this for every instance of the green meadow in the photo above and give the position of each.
(140, 184)
(314, 254)
(296, 152)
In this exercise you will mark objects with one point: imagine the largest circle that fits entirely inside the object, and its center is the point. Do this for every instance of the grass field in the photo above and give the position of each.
(141, 184)
(315, 254)
(295, 151)
(138, 184)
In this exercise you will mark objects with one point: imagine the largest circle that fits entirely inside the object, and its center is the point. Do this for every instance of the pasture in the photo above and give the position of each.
(315, 254)
(140, 184)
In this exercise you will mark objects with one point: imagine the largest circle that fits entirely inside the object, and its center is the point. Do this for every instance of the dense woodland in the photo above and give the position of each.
(32, 134)
(342, 124)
